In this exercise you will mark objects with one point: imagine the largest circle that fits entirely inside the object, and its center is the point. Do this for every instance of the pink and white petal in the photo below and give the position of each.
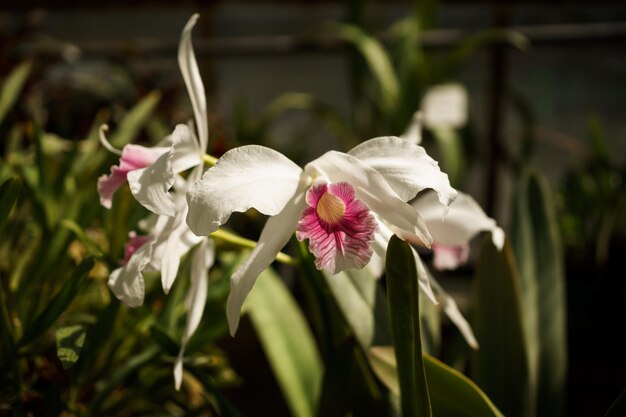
(464, 220)
(451, 310)
(275, 235)
(150, 186)
(343, 243)
(127, 282)
(247, 177)
(108, 185)
(449, 257)
(203, 258)
(193, 81)
(406, 167)
(372, 188)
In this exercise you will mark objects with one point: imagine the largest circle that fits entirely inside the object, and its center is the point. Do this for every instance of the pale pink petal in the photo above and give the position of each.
(449, 257)
(133, 157)
(340, 228)
(135, 241)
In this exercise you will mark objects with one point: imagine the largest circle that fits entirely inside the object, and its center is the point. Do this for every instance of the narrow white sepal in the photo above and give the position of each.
(193, 81)
(274, 236)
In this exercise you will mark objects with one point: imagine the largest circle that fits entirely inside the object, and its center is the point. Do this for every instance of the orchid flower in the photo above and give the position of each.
(152, 174)
(336, 202)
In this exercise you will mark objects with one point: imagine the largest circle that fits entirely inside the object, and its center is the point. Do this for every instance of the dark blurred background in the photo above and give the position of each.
(566, 92)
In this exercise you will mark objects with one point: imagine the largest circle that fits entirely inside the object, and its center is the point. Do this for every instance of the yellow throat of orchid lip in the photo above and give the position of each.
(330, 208)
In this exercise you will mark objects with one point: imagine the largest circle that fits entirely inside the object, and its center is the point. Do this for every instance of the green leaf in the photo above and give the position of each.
(539, 254)
(500, 365)
(11, 88)
(378, 61)
(9, 192)
(287, 341)
(135, 119)
(618, 408)
(403, 300)
(451, 392)
(363, 305)
(70, 341)
(59, 303)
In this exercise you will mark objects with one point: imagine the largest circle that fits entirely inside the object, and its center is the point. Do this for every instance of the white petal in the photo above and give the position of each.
(423, 277)
(127, 282)
(379, 248)
(405, 166)
(195, 300)
(244, 177)
(187, 153)
(464, 220)
(179, 241)
(274, 236)
(150, 185)
(413, 133)
(454, 314)
(193, 81)
(374, 191)
(445, 106)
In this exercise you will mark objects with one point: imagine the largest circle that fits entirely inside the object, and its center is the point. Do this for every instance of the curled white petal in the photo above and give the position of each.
(195, 300)
(105, 142)
(413, 133)
(127, 282)
(374, 191)
(150, 185)
(187, 152)
(464, 220)
(424, 277)
(407, 167)
(451, 310)
(246, 177)
(274, 236)
(193, 81)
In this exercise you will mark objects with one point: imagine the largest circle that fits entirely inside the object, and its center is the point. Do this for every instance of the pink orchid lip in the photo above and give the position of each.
(135, 241)
(449, 257)
(340, 228)
(133, 157)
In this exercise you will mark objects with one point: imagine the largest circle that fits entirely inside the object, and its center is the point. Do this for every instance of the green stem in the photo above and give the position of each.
(237, 240)
(210, 160)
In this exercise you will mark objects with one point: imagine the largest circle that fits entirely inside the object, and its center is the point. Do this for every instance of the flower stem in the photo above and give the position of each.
(237, 240)
(210, 160)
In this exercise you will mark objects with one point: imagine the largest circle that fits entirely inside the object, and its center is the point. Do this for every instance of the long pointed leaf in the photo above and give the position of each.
(540, 258)
(402, 295)
(59, 303)
(9, 192)
(500, 366)
(11, 88)
(451, 392)
(287, 341)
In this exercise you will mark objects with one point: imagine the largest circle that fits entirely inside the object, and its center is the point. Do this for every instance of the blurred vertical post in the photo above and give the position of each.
(496, 90)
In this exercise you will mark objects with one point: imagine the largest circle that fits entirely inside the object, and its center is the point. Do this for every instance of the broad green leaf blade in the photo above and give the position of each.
(336, 385)
(11, 88)
(287, 341)
(363, 305)
(135, 119)
(540, 258)
(500, 366)
(59, 303)
(9, 192)
(378, 61)
(618, 408)
(451, 392)
(70, 341)
(402, 296)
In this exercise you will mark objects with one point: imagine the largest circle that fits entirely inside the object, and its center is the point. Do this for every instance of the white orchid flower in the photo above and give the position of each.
(152, 174)
(335, 202)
